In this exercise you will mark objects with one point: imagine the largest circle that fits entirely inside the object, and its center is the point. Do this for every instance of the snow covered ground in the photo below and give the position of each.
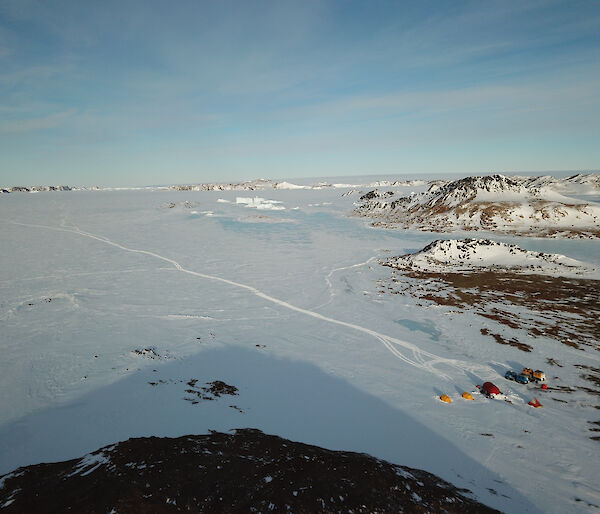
(111, 304)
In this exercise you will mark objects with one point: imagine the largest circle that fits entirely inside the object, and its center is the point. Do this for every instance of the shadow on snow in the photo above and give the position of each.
(292, 399)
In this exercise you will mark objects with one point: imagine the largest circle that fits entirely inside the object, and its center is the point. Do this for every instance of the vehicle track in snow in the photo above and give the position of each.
(421, 359)
(335, 270)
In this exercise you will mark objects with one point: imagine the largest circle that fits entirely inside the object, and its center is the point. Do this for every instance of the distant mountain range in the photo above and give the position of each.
(37, 189)
(249, 185)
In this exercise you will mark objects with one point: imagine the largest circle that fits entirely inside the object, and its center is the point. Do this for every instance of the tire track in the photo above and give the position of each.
(423, 360)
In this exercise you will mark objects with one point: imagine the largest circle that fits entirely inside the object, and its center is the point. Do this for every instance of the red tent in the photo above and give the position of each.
(489, 389)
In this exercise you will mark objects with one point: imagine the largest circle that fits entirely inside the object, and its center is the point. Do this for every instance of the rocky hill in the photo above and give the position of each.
(493, 203)
(243, 472)
(475, 255)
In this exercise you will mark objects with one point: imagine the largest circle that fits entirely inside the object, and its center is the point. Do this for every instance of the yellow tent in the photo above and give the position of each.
(445, 398)
(467, 396)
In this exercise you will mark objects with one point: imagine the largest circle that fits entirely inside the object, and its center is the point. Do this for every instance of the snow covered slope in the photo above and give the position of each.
(493, 203)
(580, 184)
(452, 256)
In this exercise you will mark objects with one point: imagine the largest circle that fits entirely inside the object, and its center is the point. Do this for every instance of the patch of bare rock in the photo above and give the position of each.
(247, 471)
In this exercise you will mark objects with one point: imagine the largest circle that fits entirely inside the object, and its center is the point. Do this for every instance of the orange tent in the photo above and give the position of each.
(445, 398)
(467, 396)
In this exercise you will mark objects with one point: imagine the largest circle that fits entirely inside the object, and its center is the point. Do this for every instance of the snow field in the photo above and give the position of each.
(337, 368)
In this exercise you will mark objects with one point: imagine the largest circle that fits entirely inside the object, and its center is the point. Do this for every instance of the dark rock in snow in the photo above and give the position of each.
(243, 472)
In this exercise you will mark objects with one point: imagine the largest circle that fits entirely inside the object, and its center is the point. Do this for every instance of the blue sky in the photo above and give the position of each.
(148, 92)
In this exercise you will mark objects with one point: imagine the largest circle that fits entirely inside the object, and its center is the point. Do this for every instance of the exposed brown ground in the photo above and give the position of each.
(445, 225)
(495, 216)
(534, 306)
(564, 309)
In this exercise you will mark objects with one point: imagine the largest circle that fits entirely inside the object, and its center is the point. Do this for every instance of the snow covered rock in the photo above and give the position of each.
(494, 203)
(472, 255)
(36, 189)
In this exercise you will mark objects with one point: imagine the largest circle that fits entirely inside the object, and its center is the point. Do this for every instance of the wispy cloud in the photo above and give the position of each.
(33, 124)
(327, 79)
(27, 76)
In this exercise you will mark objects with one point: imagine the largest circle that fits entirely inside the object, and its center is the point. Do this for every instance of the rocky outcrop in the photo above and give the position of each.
(243, 472)
(492, 203)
